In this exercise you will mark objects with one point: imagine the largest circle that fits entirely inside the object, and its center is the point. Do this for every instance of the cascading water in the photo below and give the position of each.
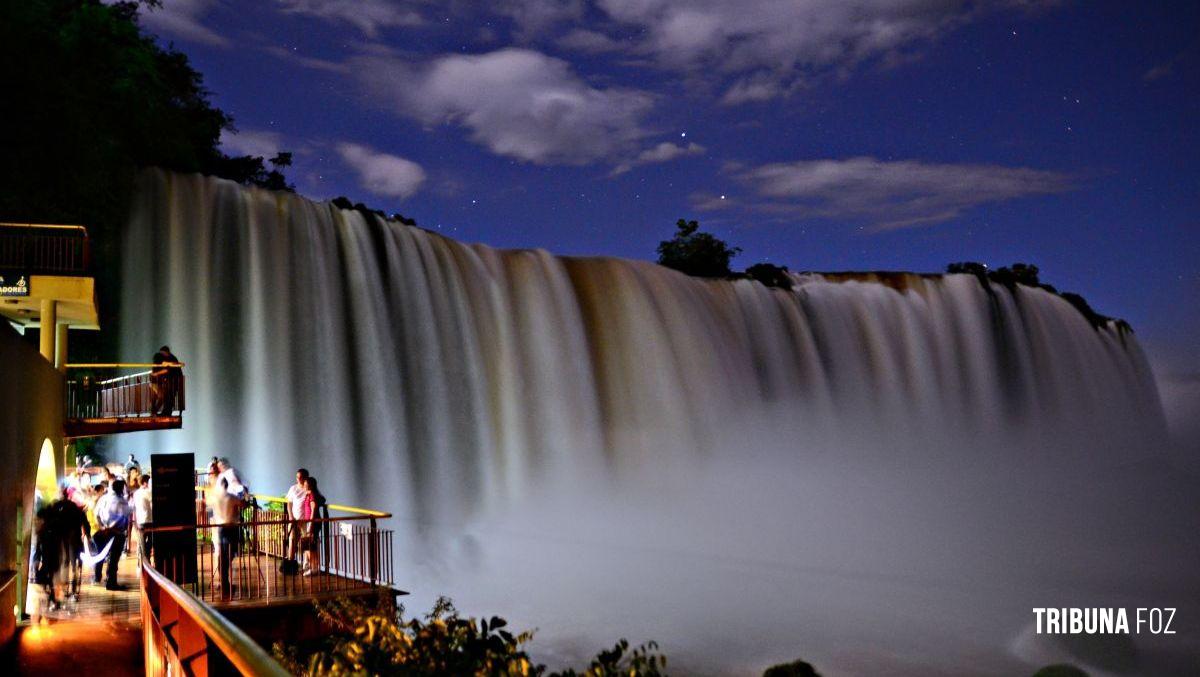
(563, 438)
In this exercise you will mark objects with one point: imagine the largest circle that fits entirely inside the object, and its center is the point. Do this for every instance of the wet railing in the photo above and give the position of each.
(183, 636)
(157, 391)
(36, 249)
(250, 560)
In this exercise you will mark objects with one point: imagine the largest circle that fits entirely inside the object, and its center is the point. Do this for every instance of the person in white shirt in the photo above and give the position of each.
(226, 511)
(143, 508)
(230, 474)
(112, 521)
(294, 513)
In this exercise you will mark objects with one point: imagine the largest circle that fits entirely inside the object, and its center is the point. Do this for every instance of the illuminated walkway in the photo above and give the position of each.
(102, 633)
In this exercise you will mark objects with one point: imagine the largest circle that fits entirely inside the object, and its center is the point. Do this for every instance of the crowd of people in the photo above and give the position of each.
(90, 524)
(102, 513)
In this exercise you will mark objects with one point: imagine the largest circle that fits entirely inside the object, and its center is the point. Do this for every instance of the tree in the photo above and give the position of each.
(88, 100)
(770, 275)
(696, 253)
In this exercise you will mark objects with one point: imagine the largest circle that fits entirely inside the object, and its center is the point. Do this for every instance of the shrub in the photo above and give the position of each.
(1060, 670)
(696, 253)
(376, 639)
(770, 275)
(796, 668)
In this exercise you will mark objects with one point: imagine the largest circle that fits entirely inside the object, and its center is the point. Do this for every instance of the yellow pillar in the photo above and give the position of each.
(49, 322)
(60, 346)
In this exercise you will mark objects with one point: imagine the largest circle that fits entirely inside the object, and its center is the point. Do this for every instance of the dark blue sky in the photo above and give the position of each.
(895, 134)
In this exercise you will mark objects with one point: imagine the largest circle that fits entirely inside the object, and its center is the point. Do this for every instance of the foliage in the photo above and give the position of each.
(796, 668)
(696, 253)
(1027, 274)
(641, 662)
(1019, 273)
(343, 202)
(90, 99)
(252, 170)
(770, 275)
(376, 639)
(969, 267)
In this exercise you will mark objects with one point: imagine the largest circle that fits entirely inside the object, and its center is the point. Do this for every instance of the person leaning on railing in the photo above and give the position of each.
(164, 383)
(293, 514)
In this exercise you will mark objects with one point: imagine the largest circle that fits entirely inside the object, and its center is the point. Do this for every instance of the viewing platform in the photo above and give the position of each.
(191, 614)
(152, 398)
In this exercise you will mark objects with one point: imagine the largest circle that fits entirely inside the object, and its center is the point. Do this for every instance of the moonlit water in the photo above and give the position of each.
(874, 474)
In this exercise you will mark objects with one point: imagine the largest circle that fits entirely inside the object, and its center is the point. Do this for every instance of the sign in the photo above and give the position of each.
(173, 494)
(14, 285)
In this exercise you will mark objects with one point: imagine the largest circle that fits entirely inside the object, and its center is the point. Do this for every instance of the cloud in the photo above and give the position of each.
(588, 42)
(369, 16)
(251, 142)
(182, 19)
(517, 103)
(383, 174)
(770, 45)
(533, 17)
(663, 152)
(890, 195)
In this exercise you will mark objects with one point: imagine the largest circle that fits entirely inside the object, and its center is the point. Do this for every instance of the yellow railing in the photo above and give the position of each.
(332, 506)
(126, 365)
(184, 636)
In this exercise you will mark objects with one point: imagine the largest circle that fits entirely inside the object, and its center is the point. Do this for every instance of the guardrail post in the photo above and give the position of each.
(373, 552)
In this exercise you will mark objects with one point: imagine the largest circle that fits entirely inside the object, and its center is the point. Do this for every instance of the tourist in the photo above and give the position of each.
(72, 525)
(314, 508)
(293, 514)
(143, 506)
(235, 485)
(226, 509)
(112, 518)
(47, 551)
(165, 384)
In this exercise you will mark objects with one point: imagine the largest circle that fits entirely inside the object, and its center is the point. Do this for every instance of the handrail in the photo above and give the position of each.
(257, 523)
(331, 506)
(245, 655)
(127, 365)
(59, 226)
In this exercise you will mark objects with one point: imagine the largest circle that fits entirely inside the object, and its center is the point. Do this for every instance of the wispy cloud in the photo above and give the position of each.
(663, 152)
(517, 103)
(369, 16)
(183, 19)
(886, 195)
(767, 47)
(380, 173)
(252, 142)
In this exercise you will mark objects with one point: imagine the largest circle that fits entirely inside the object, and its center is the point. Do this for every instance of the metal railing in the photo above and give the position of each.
(158, 392)
(245, 562)
(183, 636)
(39, 249)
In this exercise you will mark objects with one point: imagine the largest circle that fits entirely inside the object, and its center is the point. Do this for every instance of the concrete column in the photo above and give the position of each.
(60, 347)
(49, 322)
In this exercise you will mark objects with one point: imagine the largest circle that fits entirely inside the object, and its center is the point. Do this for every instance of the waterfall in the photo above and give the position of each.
(448, 382)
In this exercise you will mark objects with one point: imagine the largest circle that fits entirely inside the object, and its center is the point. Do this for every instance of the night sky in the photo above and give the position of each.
(823, 135)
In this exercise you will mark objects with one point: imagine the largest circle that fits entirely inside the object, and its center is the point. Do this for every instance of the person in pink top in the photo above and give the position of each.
(311, 506)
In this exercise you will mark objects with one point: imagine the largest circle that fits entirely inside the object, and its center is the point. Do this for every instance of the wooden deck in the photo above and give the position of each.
(94, 603)
(257, 582)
